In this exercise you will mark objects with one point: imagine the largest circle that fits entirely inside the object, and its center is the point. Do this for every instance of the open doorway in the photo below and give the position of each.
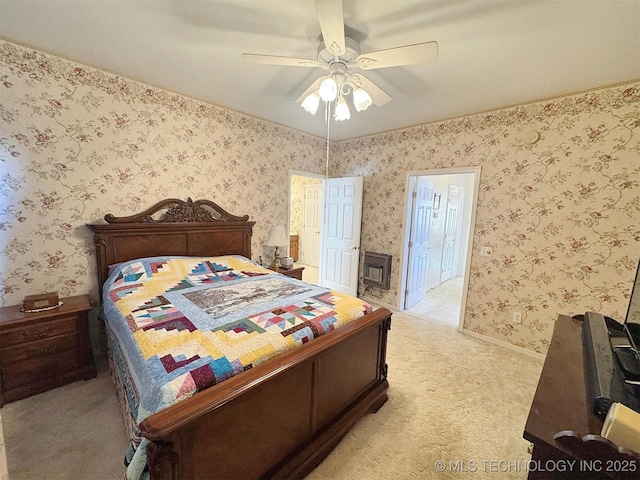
(439, 219)
(305, 222)
(325, 218)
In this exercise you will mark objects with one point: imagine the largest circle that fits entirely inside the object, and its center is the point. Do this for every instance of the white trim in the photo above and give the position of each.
(484, 338)
(467, 265)
(406, 230)
(504, 344)
(300, 173)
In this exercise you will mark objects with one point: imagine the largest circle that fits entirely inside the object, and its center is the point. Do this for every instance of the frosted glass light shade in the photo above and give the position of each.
(310, 104)
(361, 99)
(342, 110)
(328, 89)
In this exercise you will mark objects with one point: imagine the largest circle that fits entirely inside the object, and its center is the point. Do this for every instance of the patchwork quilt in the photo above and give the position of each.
(178, 325)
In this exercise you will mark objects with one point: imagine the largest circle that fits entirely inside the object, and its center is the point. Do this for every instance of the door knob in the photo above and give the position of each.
(355, 247)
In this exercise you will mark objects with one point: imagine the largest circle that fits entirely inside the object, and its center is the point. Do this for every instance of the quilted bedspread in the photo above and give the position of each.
(183, 324)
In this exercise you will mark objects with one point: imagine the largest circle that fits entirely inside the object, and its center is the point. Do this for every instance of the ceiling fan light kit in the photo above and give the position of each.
(328, 90)
(361, 99)
(311, 103)
(342, 110)
(341, 55)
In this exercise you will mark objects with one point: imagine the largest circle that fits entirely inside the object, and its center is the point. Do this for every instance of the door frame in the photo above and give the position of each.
(300, 173)
(406, 230)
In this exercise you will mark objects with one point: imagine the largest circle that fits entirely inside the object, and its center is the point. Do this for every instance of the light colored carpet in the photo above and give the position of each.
(453, 398)
(442, 303)
(309, 274)
(72, 432)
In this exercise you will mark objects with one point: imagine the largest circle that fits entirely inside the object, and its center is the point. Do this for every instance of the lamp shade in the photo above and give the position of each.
(277, 236)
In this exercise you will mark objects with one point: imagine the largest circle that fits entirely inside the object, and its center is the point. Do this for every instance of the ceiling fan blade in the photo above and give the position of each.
(276, 60)
(332, 25)
(394, 57)
(378, 96)
(314, 87)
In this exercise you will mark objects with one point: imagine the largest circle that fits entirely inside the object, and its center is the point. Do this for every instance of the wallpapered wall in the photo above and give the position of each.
(77, 143)
(562, 213)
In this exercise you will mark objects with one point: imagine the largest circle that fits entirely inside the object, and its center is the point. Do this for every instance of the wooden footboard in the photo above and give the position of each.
(279, 419)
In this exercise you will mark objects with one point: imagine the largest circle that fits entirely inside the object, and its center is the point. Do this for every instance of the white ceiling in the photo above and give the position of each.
(493, 53)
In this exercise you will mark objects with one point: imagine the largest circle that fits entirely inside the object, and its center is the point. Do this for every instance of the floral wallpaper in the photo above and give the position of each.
(559, 201)
(77, 143)
(559, 204)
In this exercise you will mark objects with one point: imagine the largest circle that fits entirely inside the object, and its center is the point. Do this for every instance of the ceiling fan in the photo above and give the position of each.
(342, 58)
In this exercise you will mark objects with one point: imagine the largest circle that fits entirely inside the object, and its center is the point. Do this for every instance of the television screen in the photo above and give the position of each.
(632, 320)
(612, 357)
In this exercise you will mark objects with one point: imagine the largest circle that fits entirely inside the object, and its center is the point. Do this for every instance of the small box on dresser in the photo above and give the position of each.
(44, 350)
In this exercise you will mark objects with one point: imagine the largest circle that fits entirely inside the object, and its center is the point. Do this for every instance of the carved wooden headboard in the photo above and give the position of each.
(200, 228)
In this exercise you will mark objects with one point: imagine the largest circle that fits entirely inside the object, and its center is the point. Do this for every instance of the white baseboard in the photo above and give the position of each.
(504, 344)
(393, 308)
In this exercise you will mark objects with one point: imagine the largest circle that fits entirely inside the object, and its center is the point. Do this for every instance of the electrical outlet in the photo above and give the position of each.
(517, 317)
(486, 251)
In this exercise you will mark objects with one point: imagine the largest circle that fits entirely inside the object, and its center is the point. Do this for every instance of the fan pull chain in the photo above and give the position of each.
(328, 120)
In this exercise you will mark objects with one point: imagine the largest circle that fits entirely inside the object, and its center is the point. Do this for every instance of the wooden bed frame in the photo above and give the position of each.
(277, 420)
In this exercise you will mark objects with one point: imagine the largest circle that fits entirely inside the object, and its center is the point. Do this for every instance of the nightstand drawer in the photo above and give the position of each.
(38, 369)
(39, 348)
(38, 331)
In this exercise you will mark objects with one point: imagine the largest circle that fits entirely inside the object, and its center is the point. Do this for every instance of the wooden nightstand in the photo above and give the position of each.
(292, 272)
(44, 350)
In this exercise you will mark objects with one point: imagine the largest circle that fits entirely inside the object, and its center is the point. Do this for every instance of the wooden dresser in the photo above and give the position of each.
(44, 350)
(560, 405)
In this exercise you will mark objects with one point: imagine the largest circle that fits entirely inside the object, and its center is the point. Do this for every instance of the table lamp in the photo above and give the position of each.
(276, 238)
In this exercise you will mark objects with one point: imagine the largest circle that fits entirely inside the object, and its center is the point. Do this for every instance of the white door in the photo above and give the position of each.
(450, 233)
(436, 236)
(310, 243)
(340, 252)
(422, 204)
